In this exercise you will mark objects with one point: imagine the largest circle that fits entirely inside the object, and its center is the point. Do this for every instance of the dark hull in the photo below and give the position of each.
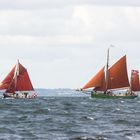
(6, 96)
(93, 95)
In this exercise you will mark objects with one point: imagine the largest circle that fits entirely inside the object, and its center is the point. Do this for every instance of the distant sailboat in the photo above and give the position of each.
(111, 79)
(135, 83)
(17, 83)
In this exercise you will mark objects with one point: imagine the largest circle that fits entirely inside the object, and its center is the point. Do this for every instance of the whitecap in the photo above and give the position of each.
(89, 118)
(118, 109)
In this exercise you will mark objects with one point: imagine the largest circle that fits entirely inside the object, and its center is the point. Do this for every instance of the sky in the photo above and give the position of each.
(63, 43)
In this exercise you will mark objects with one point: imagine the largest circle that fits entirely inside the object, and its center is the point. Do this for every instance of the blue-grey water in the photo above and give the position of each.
(69, 118)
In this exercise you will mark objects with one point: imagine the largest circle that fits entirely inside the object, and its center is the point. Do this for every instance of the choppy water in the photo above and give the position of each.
(70, 118)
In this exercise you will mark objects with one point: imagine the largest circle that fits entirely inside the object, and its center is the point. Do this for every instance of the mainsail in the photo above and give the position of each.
(117, 77)
(17, 80)
(135, 84)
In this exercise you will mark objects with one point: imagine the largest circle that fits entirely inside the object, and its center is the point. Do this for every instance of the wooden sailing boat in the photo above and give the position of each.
(114, 78)
(135, 83)
(17, 83)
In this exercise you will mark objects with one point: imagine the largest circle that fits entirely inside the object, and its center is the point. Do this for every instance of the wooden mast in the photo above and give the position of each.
(16, 73)
(107, 66)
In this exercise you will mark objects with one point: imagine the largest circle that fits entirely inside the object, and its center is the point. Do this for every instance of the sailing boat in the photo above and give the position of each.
(110, 82)
(17, 83)
(135, 84)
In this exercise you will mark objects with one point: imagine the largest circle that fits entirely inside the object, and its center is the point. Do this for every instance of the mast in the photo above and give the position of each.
(16, 74)
(107, 66)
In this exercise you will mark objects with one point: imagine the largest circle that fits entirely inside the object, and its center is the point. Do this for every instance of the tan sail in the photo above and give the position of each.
(98, 81)
(117, 75)
(135, 84)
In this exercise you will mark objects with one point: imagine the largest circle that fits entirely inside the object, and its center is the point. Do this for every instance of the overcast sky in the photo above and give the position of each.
(63, 43)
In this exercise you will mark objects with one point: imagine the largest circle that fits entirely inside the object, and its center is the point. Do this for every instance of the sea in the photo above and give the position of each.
(64, 114)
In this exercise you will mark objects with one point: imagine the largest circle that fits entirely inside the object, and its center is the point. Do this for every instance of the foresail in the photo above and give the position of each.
(7, 80)
(117, 75)
(135, 84)
(98, 81)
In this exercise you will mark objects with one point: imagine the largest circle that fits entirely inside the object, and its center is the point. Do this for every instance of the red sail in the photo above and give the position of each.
(11, 88)
(6, 82)
(17, 80)
(23, 80)
(117, 75)
(135, 84)
(98, 81)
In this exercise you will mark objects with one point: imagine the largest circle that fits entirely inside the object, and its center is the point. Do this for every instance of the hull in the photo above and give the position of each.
(93, 95)
(18, 96)
(7, 96)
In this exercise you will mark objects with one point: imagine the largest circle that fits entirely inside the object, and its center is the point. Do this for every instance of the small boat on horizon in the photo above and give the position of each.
(17, 84)
(112, 82)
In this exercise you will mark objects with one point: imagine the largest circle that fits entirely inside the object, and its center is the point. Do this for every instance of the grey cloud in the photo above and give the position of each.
(52, 23)
(34, 23)
(28, 17)
(43, 4)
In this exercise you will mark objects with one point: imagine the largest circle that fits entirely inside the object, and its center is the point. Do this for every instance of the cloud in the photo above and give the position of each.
(76, 24)
(47, 4)
(33, 23)
(64, 43)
